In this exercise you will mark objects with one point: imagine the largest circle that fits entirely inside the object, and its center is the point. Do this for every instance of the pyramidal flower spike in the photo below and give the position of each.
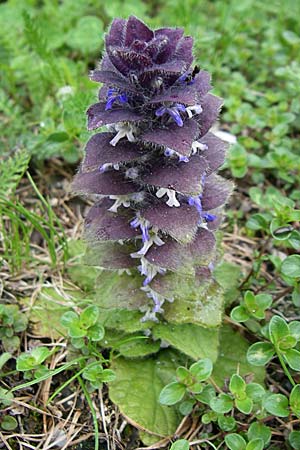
(153, 172)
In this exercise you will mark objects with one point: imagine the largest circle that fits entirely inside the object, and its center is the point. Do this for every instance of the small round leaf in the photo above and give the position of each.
(260, 353)
(235, 442)
(277, 404)
(172, 393)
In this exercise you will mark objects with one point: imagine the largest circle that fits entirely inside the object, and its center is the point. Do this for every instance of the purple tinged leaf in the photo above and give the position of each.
(178, 258)
(110, 256)
(103, 225)
(99, 151)
(137, 30)
(98, 116)
(183, 178)
(179, 139)
(211, 105)
(116, 34)
(180, 223)
(215, 152)
(216, 192)
(184, 50)
(107, 183)
(173, 35)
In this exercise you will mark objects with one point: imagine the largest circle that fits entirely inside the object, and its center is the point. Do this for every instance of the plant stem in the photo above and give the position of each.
(283, 365)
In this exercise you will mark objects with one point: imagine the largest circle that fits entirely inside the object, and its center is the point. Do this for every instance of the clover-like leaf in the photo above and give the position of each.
(221, 404)
(259, 430)
(89, 316)
(237, 385)
(172, 393)
(235, 442)
(291, 266)
(255, 444)
(295, 400)
(181, 444)
(260, 353)
(277, 404)
(202, 369)
(255, 391)
(239, 314)
(278, 329)
(244, 405)
(292, 357)
(294, 439)
(226, 423)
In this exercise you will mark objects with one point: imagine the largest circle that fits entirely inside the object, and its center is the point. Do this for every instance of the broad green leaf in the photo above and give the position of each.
(292, 357)
(181, 444)
(277, 404)
(264, 301)
(239, 314)
(139, 348)
(255, 444)
(193, 306)
(260, 353)
(172, 393)
(244, 405)
(294, 439)
(193, 340)
(139, 382)
(183, 375)
(82, 274)
(202, 369)
(287, 342)
(228, 276)
(221, 404)
(186, 407)
(278, 329)
(291, 266)
(295, 400)
(235, 442)
(232, 354)
(259, 430)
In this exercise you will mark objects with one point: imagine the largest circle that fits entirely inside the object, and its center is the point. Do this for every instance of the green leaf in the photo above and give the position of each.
(181, 444)
(235, 442)
(257, 222)
(255, 444)
(278, 329)
(294, 327)
(226, 423)
(277, 404)
(290, 266)
(294, 439)
(4, 357)
(96, 332)
(260, 353)
(186, 407)
(193, 340)
(139, 382)
(259, 430)
(255, 391)
(202, 369)
(30, 360)
(221, 404)
(228, 276)
(75, 331)
(89, 316)
(69, 318)
(239, 314)
(244, 405)
(6, 397)
(172, 393)
(295, 400)
(9, 423)
(207, 394)
(107, 376)
(183, 375)
(237, 385)
(292, 357)
(139, 348)
(86, 35)
(233, 349)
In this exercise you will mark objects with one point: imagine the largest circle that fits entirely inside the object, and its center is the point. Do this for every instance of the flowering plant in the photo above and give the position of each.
(159, 200)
